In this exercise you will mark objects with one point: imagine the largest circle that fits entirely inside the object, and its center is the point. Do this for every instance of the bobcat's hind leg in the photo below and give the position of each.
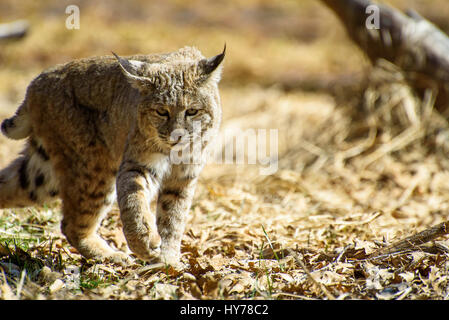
(28, 180)
(14, 185)
(86, 200)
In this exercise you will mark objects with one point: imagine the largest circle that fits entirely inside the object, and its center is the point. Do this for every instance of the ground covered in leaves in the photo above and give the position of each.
(362, 161)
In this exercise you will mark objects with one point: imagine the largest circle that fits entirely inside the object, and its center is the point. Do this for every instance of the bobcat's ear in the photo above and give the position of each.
(210, 69)
(130, 69)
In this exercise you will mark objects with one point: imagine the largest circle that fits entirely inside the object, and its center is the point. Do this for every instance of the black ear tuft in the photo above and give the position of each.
(209, 65)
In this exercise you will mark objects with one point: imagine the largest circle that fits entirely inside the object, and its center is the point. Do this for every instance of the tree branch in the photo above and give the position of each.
(409, 41)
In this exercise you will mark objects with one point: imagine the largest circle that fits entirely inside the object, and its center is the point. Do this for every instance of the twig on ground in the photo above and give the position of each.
(413, 241)
(303, 266)
(401, 141)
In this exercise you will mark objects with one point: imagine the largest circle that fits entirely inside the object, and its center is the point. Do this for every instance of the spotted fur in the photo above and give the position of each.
(100, 128)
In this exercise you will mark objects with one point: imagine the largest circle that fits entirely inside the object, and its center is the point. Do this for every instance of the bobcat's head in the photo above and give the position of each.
(179, 99)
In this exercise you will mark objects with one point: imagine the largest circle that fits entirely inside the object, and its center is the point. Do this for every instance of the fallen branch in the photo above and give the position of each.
(13, 30)
(413, 242)
(409, 41)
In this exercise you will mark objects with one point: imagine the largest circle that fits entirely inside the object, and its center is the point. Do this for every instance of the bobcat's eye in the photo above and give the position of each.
(191, 112)
(162, 113)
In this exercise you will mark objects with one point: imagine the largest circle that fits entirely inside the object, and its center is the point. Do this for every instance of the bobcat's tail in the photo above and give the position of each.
(18, 126)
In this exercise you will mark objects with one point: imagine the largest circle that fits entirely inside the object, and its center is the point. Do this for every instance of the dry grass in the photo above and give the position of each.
(362, 162)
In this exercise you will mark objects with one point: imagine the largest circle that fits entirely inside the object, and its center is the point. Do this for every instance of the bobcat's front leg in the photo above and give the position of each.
(137, 185)
(175, 199)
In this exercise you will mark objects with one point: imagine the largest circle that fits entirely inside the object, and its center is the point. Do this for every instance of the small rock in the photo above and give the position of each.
(57, 285)
(46, 275)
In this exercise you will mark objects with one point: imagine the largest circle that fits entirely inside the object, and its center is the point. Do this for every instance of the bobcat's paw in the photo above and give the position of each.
(171, 258)
(120, 258)
(145, 248)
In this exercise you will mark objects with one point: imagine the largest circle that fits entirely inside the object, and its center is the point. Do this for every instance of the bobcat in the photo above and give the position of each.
(100, 129)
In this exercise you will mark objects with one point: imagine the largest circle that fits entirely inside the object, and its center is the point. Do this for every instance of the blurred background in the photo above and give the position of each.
(294, 45)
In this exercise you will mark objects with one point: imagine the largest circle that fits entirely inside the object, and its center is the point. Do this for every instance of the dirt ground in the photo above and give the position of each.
(362, 162)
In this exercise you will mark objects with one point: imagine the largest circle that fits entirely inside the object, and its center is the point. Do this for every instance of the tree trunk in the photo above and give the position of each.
(409, 41)
(13, 30)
